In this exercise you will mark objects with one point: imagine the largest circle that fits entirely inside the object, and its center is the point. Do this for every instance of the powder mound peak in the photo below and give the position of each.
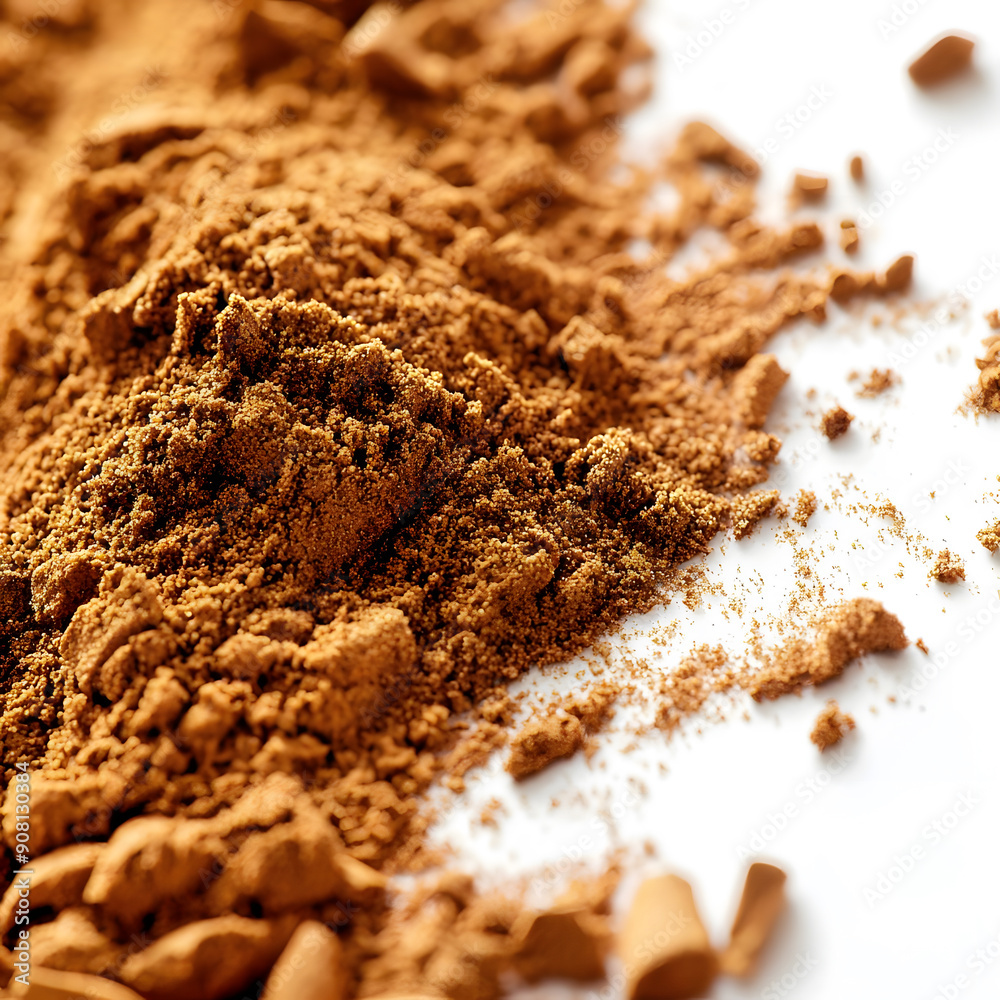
(293, 428)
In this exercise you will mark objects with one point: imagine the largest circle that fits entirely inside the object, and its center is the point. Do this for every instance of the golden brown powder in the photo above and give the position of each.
(831, 727)
(948, 567)
(843, 633)
(333, 399)
(989, 537)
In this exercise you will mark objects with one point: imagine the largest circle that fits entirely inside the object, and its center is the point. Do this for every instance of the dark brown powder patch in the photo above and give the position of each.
(836, 421)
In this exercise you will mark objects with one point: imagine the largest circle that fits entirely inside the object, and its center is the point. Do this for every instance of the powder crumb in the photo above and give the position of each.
(805, 507)
(857, 169)
(990, 537)
(948, 567)
(849, 242)
(944, 59)
(595, 708)
(836, 422)
(542, 742)
(878, 381)
(993, 319)
(748, 510)
(810, 186)
(831, 726)
(922, 646)
(845, 632)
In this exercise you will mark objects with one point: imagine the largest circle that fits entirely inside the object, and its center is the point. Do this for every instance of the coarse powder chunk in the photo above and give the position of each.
(843, 633)
(831, 727)
(332, 399)
(948, 567)
(836, 421)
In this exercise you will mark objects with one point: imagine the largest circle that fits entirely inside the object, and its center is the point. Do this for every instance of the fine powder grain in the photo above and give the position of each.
(333, 398)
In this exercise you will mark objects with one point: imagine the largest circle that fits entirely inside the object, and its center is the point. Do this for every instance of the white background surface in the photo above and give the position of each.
(702, 796)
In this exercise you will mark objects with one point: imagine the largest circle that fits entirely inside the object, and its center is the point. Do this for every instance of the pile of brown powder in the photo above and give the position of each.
(332, 397)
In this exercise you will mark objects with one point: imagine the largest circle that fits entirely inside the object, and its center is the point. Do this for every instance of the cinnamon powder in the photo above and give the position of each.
(333, 398)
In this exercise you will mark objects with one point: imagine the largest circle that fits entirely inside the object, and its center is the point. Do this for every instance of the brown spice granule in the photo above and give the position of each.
(836, 422)
(990, 537)
(948, 567)
(943, 59)
(831, 727)
(878, 381)
(922, 646)
(749, 510)
(541, 742)
(857, 169)
(844, 633)
(849, 236)
(805, 507)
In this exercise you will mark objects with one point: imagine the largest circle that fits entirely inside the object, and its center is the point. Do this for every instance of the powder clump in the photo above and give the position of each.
(542, 742)
(831, 726)
(989, 537)
(749, 510)
(948, 567)
(836, 422)
(843, 633)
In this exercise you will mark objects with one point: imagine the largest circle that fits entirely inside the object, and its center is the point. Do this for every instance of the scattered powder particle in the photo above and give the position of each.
(836, 422)
(922, 646)
(761, 904)
(948, 567)
(488, 816)
(810, 186)
(689, 685)
(664, 946)
(831, 726)
(805, 507)
(878, 381)
(748, 510)
(990, 537)
(857, 168)
(540, 743)
(849, 236)
(845, 632)
(943, 59)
